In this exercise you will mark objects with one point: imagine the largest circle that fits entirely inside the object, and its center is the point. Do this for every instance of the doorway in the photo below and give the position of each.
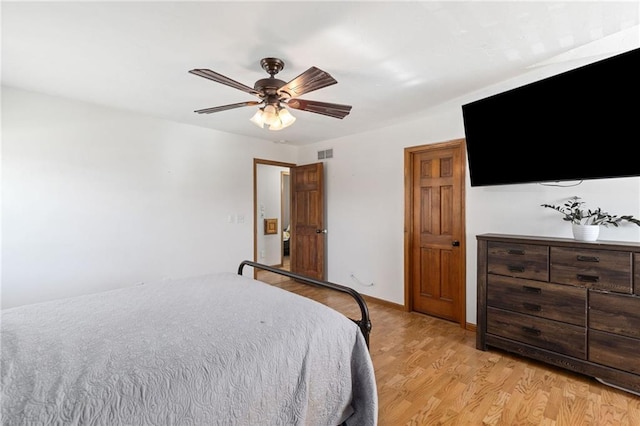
(435, 278)
(271, 184)
(306, 217)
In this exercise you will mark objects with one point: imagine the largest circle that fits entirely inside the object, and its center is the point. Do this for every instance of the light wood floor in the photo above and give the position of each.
(428, 372)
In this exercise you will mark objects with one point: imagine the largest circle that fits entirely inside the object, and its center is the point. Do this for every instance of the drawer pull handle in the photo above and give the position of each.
(531, 289)
(587, 258)
(516, 251)
(532, 330)
(588, 278)
(513, 268)
(532, 306)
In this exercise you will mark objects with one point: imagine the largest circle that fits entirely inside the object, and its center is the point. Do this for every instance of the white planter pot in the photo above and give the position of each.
(585, 232)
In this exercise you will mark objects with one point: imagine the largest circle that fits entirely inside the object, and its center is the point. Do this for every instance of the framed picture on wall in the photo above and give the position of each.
(271, 226)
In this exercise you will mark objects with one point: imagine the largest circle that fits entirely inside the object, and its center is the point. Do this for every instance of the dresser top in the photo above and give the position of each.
(564, 242)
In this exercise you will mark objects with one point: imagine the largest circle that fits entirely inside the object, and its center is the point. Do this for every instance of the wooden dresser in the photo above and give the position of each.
(568, 303)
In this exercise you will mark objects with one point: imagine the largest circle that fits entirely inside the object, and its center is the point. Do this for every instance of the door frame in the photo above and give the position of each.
(256, 162)
(283, 208)
(408, 223)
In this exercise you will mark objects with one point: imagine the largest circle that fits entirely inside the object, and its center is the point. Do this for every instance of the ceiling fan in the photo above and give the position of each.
(275, 94)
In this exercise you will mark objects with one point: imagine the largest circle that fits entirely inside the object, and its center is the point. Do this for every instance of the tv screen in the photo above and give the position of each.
(581, 124)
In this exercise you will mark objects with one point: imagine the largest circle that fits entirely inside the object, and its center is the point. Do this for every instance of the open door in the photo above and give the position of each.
(308, 234)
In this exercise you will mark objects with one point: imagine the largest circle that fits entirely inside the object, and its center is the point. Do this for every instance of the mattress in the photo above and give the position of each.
(216, 349)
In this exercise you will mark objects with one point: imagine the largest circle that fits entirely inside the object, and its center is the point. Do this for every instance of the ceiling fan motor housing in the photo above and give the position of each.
(269, 87)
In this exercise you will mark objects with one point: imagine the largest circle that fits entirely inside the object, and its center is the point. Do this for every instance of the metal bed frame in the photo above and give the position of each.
(364, 323)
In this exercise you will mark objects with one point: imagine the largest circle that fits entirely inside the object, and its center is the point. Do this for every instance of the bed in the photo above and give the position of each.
(286, 235)
(218, 349)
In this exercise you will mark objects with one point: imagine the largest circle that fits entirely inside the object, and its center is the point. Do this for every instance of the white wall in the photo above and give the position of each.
(94, 198)
(365, 202)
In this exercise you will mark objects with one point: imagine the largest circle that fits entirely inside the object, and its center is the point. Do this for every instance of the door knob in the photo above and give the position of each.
(455, 243)
(321, 231)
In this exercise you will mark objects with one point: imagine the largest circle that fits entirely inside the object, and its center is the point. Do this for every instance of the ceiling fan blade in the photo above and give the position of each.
(219, 78)
(226, 107)
(310, 80)
(324, 108)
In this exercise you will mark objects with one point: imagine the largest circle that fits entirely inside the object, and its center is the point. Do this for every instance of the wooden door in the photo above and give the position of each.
(435, 225)
(307, 241)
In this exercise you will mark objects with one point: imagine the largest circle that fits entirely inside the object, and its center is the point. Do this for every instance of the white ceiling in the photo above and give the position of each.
(392, 60)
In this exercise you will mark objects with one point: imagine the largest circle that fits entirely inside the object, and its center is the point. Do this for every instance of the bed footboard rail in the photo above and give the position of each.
(364, 323)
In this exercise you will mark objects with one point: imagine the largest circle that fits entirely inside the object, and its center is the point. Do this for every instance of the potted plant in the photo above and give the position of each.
(586, 222)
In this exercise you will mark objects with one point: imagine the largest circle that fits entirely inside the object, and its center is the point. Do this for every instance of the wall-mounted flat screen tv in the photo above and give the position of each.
(577, 125)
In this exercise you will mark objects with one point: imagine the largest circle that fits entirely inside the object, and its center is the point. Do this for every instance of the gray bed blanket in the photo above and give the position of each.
(219, 349)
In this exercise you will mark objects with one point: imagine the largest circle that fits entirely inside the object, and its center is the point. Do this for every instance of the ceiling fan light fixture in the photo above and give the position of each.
(286, 117)
(257, 118)
(270, 115)
(273, 117)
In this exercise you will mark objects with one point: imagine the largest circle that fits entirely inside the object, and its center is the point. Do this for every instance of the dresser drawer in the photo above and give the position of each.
(518, 260)
(547, 334)
(599, 269)
(615, 351)
(636, 268)
(615, 313)
(557, 302)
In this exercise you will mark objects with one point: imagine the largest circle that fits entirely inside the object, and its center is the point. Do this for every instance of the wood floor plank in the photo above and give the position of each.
(428, 372)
